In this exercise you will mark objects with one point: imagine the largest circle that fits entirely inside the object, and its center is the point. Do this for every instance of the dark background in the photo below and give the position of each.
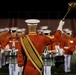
(49, 12)
(43, 9)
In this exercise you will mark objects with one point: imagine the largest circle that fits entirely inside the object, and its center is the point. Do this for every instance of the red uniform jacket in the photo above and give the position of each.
(3, 39)
(67, 44)
(39, 41)
(55, 40)
(75, 41)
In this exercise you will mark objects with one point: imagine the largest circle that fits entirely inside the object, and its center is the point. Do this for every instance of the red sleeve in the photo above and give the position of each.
(72, 49)
(5, 42)
(75, 41)
(47, 41)
(20, 55)
(57, 34)
(62, 42)
(49, 47)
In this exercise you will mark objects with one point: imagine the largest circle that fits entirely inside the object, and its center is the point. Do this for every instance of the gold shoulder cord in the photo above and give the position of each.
(32, 53)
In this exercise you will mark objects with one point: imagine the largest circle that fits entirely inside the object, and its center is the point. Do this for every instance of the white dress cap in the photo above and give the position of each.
(44, 27)
(69, 31)
(40, 30)
(19, 30)
(46, 31)
(32, 21)
(66, 29)
(13, 28)
(23, 29)
(2, 29)
(7, 29)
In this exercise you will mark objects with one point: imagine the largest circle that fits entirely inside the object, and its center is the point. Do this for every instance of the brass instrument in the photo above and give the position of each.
(71, 6)
(47, 57)
(12, 54)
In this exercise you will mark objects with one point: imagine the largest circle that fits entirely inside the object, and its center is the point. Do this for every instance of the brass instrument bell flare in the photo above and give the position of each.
(71, 5)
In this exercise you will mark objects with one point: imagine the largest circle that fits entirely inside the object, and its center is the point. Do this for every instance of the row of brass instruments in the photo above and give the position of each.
(51, 59)
(11, 54)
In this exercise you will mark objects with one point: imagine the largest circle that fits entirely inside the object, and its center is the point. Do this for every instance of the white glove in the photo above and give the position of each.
(61, 23)
(61, 51)
(7, 47)
(74, 52)
(2, 51)
(20, 70)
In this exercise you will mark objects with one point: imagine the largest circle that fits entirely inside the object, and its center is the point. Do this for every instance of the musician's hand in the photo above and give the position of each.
(61, 22)
(63, 19)
(74, 52)
(20, 69)
(51, 51)
(2, 51)
(54, 51)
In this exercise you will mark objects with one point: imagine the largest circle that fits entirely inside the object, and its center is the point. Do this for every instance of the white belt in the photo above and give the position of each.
(66, 47)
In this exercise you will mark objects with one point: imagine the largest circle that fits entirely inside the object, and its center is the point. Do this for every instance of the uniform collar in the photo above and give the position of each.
(32, 33)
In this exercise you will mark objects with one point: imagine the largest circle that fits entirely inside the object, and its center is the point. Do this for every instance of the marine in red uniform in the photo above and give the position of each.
(39, 41)
(12, 41)
(75, 42)
(47, 55)
(67, 44)
(1, 40)
(4, 35)
(58, 55)
(57, 34)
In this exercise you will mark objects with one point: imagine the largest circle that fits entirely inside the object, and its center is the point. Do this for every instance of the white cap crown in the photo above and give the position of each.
(46, 31)
(32, 21)
(44, 27)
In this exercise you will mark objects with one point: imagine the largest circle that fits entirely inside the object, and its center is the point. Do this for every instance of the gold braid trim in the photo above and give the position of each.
(68, 42)
(35, 49)
(34, 58)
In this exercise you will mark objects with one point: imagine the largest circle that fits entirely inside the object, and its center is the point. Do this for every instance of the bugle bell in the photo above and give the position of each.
(71, 6)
